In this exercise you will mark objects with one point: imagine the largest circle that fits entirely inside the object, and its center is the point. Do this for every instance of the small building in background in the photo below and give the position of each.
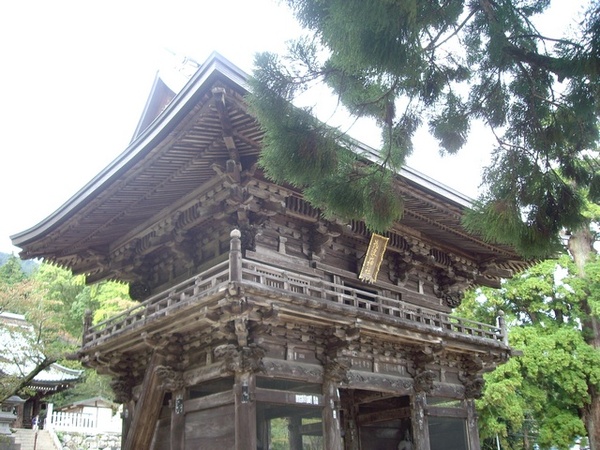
(18, 358)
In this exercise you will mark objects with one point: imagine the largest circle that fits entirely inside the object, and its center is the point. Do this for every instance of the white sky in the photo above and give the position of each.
(75, 76)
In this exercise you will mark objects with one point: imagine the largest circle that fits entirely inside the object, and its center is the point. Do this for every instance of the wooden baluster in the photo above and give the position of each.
(502, 325)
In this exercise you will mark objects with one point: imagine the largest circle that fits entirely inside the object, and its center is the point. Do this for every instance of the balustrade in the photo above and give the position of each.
(270, 278)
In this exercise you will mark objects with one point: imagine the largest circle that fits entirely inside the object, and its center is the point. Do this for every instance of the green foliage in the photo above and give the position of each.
(28, 267)
(301, 151)
(54, 302)
(11, 271)
(92, 385)
(542, 393)
(409, 62)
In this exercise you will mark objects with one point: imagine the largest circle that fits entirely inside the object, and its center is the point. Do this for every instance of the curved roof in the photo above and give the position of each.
(20, 358)
(165, 164)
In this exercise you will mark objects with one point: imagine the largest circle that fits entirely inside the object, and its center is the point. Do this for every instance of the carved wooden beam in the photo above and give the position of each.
(219, 95)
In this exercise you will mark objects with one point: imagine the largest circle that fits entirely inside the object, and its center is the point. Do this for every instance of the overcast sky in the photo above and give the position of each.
(75, 76)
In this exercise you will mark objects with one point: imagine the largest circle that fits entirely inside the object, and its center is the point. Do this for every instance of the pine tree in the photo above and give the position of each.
(444, 64)
(411, 63)
(11, 272)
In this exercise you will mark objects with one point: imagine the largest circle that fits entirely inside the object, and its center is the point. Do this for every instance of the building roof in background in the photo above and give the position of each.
(18, 357)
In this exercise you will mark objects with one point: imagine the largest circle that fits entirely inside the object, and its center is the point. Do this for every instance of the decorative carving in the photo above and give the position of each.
(422, 376)
(171, 380)
(139, 290)
(241, 330)
(239, 360)
(248, 237)
(107, 364)
(473, 385)
(288, 369)
(377, 381)
(449, 287)
(423, 380)
(470, 376)
(154, 341)
(335, 368)
(123, 389)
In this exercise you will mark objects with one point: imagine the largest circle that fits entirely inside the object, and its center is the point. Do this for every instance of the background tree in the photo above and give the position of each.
(11, 272)
(544, 396)
(54, 302)
(440, 64)
(36, 347)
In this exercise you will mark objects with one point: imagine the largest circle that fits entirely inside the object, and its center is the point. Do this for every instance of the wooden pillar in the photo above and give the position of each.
(178, 420)
(263, 431)
(87, 323)
(351, 434)
(235, 256)
(420, 423)
(295, 433)
(147, 409)
(472, 428)
(332, 433)
(127, 416)
(245, 411)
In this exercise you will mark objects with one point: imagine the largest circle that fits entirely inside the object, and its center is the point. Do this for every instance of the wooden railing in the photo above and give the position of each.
(202, 285)
(261, 276)
(258, 274)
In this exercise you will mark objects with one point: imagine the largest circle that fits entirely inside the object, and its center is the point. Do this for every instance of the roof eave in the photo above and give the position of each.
(215, 66)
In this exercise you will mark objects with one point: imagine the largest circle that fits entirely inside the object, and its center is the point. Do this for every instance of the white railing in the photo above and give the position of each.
(81, 423)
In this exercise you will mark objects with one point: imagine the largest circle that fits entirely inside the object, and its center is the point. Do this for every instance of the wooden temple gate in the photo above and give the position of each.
(254, 329)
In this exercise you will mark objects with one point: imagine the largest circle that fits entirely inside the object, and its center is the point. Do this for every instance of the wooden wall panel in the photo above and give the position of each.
(211, 429)
(162, 435)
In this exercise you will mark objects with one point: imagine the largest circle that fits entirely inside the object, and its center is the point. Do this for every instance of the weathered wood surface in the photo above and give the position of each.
(285, 286)
(420, 423)
(211, 429)
(245, 411)
(148, 407)
(177, 430)
(209, 401)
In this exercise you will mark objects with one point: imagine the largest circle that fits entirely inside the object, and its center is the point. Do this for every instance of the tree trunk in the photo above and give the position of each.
(581, 249)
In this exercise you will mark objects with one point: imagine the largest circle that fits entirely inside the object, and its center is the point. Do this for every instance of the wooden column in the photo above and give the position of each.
(351, 435)
(420, 423)
(294, 429)
(263, 431)
(245, 411)
(472, 428)
(127, 416)
(147, 410)
(178, 420)
(332, 433)
(235, 256)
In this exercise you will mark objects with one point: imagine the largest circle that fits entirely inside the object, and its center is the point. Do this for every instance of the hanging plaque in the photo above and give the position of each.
(373, 258)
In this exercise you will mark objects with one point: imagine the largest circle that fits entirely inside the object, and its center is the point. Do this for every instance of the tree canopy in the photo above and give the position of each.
(441, 64)
(544, 396)
(53, 302)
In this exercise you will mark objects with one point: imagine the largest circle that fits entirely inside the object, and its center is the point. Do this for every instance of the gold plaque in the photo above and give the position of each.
(373, 258)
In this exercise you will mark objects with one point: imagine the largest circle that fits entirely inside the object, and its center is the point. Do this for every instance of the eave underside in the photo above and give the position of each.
(189, 157)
